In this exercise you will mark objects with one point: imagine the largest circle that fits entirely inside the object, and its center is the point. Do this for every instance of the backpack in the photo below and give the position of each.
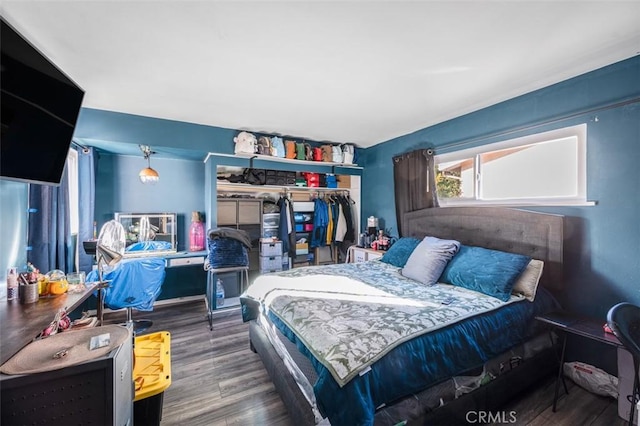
(277, 147)
(336, 154)
(348, 152)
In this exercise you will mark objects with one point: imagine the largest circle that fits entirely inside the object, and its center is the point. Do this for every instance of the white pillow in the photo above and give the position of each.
(527, 282)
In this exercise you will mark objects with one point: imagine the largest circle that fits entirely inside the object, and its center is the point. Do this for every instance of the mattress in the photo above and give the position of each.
(531, 354)
(421, 361)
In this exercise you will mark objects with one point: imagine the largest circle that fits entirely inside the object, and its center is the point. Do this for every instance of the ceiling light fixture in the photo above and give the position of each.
(148, 175)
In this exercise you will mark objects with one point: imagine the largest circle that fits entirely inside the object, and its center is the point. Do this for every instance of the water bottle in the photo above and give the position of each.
(219, 293)
(12, 283)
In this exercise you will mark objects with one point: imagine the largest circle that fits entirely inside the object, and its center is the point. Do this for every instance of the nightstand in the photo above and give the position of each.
(357, 254)
(566, 323)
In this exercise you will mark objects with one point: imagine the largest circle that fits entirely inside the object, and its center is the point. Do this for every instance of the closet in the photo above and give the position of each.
(223, 170)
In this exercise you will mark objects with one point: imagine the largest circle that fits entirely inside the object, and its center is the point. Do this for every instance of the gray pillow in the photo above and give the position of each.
(429, 259)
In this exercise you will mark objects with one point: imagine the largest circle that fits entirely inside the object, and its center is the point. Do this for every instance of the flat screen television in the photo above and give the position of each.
(40, 107)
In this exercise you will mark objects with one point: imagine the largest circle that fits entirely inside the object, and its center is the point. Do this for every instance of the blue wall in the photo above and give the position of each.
(180, 189)
(166, 136)
(603, 241)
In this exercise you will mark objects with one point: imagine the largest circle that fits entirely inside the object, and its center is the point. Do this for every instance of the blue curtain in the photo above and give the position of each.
(49, 232)
(86, 202)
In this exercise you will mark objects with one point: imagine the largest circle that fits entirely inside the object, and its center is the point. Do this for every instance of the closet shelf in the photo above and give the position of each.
(285, 160)
(230, 186)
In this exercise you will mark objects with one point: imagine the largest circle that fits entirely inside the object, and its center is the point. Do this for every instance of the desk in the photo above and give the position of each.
(20, 324)
(568, 323)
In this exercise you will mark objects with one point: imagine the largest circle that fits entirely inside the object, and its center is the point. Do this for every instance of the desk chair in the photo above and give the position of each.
(134, 283)
(624, 320)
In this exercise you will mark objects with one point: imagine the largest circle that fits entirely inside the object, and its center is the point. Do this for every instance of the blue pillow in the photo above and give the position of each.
(491, 272)
(399, 252)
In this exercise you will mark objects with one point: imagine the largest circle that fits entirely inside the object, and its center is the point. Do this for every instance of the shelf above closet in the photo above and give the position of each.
(245, 187)
(285, 160)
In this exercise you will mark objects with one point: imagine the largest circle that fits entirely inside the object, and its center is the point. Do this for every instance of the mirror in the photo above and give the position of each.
(149, 234)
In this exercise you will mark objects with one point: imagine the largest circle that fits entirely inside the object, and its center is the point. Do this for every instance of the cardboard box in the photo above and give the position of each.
(344, 181)
(302, 248)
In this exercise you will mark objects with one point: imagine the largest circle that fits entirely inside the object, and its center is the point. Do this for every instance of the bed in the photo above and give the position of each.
(362, 344)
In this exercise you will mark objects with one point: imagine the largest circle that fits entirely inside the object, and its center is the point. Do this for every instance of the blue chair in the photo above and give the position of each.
(134, 283)
(624, 320)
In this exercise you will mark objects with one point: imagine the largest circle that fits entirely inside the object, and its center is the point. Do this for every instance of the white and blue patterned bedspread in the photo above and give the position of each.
(351, 315)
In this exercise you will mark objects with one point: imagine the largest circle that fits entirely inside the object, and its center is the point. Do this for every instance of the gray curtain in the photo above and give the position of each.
(49, 231)
(414, 179)
(86, 203)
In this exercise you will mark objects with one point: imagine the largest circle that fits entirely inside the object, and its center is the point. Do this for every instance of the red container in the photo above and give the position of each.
(308, 226)
(313, 180)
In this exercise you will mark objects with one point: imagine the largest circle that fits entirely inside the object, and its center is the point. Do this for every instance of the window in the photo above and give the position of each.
(544, 168)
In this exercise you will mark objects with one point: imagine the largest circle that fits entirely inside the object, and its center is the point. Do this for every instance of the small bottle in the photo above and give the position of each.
(12, 283)
(219, 293)
(196, 233)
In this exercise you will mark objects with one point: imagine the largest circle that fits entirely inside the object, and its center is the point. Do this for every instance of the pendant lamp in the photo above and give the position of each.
(148, 175)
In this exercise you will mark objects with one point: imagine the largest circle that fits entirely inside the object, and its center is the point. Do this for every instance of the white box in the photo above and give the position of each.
(270, 248)
(303, 206)
(625, 385)
(270, 264)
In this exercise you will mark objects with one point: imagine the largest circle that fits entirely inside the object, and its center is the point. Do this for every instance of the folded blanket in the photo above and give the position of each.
(236, 234)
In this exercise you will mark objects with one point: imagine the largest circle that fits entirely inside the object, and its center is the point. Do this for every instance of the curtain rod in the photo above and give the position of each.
(543, 123)
(82, 147)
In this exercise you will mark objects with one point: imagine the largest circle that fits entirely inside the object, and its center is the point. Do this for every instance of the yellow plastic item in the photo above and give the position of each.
(58, 287)
(152, 364)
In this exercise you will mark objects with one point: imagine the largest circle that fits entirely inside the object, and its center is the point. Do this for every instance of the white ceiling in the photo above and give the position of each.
(358, 71)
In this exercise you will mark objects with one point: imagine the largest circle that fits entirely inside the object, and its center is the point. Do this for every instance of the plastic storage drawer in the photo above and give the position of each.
(270, 248)
(270, 264)
(270, 220)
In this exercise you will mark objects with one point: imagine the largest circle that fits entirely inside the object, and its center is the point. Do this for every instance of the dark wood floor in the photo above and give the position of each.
(218, 381)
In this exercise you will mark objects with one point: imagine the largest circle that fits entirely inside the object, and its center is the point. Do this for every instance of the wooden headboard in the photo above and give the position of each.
(538, 235)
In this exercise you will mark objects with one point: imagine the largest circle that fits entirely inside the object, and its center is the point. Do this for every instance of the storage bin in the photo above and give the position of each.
(152, 376)
(270, 248)
(270, 220)
(270, 232)
(270, 264)
(303, 206)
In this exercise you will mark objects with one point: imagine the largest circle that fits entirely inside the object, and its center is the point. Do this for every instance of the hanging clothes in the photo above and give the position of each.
(341, 227)
(320, 220)
(330, 224)
(286, 230)
(335, 213)
(350, 235)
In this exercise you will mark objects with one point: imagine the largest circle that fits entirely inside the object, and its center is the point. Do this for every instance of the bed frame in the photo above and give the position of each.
(537, 235)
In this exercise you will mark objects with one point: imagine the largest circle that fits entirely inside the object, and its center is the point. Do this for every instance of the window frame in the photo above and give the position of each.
(579, 131)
